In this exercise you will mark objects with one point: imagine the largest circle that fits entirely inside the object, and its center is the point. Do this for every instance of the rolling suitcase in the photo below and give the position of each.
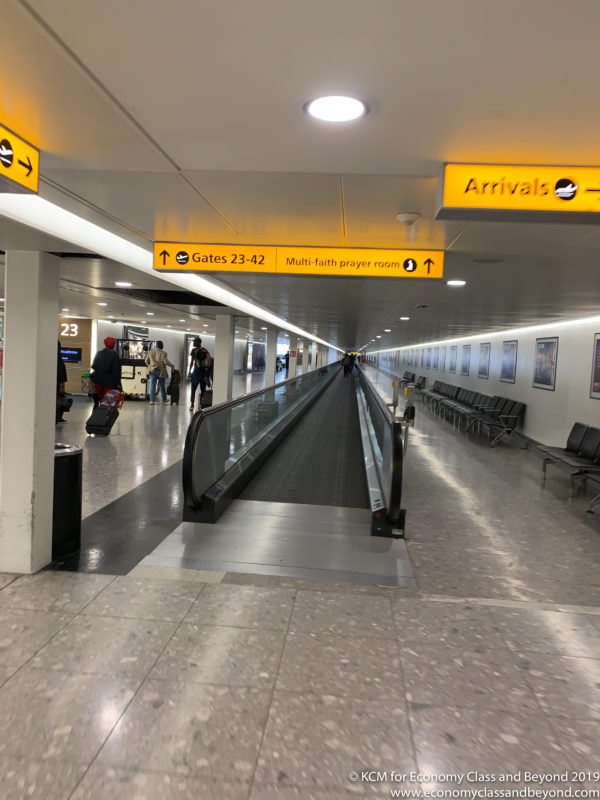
(102, 420)
(174, 387)
(206, 399)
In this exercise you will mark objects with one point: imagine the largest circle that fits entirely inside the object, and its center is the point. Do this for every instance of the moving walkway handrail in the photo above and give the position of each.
(389, 434)
(226, 441)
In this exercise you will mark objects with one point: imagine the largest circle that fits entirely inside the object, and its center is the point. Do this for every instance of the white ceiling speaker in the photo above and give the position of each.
(408, 218)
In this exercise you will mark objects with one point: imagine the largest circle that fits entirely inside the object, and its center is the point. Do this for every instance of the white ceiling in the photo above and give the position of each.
(184, 121)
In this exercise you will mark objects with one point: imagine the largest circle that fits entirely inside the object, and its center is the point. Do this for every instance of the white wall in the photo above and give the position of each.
(549, 414)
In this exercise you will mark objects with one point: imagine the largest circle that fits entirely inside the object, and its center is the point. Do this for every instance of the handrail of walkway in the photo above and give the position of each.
(383, 448)
(226, 444)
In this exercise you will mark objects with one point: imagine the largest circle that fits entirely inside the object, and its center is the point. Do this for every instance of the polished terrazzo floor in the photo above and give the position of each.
(169, 683)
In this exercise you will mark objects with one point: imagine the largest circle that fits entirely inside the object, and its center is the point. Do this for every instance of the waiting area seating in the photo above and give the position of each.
(580, 456)
(497, 415)
(408, 377)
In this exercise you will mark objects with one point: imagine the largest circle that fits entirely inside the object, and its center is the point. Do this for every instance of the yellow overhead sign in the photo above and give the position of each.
(19, 161)
(348, 262)
(550, 191)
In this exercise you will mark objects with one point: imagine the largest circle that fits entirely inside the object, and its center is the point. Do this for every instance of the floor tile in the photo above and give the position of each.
(6, 672)
(457, 625)
(260, 792)
(68, 592)
(120, 784)
(220, 655)
(144, 598)
(23, 632)
(564, 687)
(316, 741)
(172, 574)
(191, 729)
(336, 665)
(451, 740)
(343, 615)
(580, 741)
(549, 632)
(6, 578)
(61, 715)
(306, 584)
(24, 778)
(438, 676)
(106, 646)
(243, 607)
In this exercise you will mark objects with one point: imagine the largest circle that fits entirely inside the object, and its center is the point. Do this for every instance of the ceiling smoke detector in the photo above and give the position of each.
(408, 218)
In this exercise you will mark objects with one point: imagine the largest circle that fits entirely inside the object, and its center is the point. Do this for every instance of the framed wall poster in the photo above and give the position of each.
(484, 360)
(453, 357)
(436, 357)
(422, 357)
(508, 370)
(466, 359)
(595, 386)
(428, 359)
(544, 364)
(443, 359)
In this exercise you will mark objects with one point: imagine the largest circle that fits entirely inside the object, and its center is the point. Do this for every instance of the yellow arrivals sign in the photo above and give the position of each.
(19, 162)
(347, 262)
(472, 191)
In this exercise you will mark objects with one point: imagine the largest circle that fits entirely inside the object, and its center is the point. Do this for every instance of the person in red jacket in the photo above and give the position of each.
(106, 369)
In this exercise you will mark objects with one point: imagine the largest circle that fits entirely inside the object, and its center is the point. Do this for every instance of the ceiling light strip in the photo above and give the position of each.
(42, 215)
(567, 323)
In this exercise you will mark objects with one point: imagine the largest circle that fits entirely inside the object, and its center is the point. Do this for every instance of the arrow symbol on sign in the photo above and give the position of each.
(164, 255)
(28, 166)
(429, 263)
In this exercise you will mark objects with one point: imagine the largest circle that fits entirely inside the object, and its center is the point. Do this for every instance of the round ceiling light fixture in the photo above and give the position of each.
(404, 319)
(387, 330)
(336, 108)
(455, 283)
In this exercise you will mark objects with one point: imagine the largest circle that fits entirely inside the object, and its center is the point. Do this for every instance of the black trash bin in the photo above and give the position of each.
(66, 514)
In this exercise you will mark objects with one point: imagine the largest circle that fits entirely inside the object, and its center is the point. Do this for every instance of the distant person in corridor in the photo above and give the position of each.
(157, 362)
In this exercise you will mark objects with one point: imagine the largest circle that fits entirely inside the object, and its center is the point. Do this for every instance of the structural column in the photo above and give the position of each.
(271, 356)
(305, 353)
(28, 411)
(223, 368)
(294, 342)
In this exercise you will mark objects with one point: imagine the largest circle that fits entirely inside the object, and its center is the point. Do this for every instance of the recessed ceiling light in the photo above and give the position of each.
(124, 284)
(111, 316)
(169, 326)
(62, 309)
(404, 319)
(456, 283)
(149, 313)
(181, 320)
(336, 108)
(101, 304)
(205, 325)
(263, 329)
(143, 321)
(387, 330)
(188, 329)
(378, 336)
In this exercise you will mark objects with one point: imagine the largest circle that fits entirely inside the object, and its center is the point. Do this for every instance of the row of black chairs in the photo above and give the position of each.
(497, 415)
(580, 456)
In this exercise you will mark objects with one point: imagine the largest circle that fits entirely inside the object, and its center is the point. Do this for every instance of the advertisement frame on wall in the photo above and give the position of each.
(465, 364)
(508, 367)
(484, 360)
(595, 381)
(544, 363)
(453, 358)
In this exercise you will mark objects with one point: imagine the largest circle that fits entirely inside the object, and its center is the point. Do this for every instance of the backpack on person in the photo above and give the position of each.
(203, 359)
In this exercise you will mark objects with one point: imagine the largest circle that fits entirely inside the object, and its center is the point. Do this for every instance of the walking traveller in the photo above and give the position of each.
(199, 370)
(157, 362)
(106, 369)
